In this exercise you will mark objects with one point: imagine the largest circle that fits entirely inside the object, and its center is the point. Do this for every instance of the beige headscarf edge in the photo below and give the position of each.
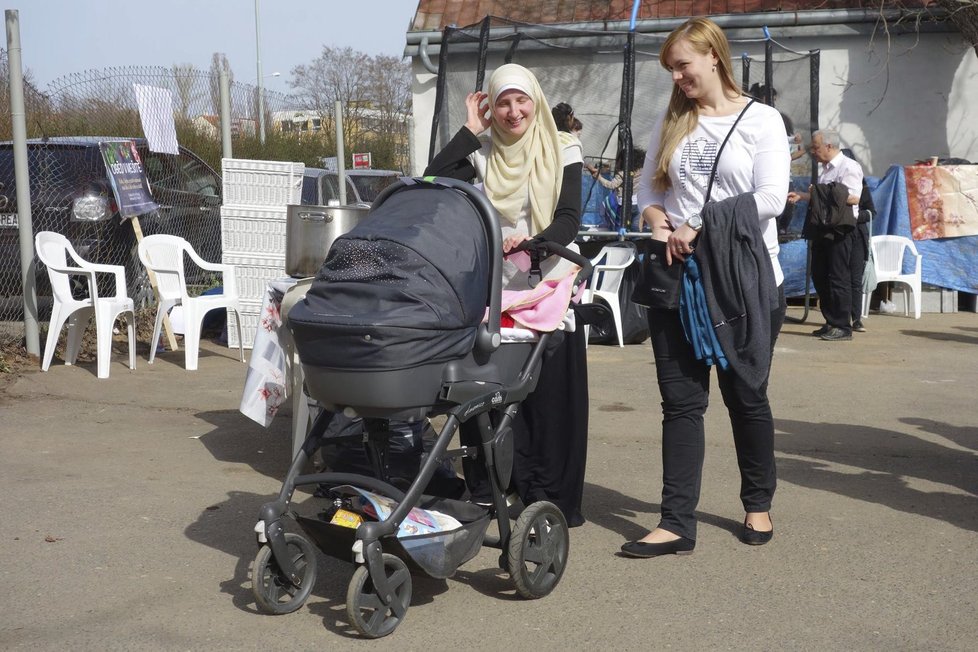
(531, 165)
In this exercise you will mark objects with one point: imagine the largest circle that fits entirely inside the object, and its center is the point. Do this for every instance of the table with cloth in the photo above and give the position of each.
(273, 374)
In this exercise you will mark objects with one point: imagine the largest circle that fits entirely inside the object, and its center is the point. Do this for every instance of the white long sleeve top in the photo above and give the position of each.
(846, 171)
(756, 159)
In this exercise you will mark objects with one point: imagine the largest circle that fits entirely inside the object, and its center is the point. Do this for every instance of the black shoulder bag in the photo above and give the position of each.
(658, 284)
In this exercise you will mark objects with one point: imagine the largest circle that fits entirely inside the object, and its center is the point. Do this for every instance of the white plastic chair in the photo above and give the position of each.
(888, 255)
(62, 262)
(164, 256)
(609, 271)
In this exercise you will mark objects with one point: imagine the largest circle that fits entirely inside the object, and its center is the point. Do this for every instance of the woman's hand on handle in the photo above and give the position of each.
(513, 241)
(477, 110)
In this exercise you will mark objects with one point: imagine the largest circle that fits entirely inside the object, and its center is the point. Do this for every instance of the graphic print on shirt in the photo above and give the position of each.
(697, 160)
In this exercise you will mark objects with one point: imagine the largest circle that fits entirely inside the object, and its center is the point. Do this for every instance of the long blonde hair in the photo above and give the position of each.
(703, 36)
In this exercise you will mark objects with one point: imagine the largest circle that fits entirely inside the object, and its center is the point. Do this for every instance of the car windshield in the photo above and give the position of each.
(58, 169)
(371, 185)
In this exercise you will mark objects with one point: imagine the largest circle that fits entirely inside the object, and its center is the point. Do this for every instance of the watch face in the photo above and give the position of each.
(696, 221)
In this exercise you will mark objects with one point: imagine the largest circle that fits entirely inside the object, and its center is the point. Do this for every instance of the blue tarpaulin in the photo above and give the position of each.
(947, 262)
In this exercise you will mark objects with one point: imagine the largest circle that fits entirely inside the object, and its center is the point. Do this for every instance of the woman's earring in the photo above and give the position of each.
(714, 67)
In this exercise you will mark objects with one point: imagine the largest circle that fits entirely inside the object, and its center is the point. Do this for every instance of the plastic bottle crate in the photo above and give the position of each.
(261, 183)
(252, 274)
(251, 316)
(253, 231)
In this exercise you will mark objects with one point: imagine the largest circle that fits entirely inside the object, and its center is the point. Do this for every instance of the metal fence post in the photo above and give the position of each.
(340, 153)
(24, 219)
(261, 91)
(225, 89)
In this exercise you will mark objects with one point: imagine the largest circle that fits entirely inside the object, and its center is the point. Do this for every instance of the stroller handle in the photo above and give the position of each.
(584, 263)
(488, 338)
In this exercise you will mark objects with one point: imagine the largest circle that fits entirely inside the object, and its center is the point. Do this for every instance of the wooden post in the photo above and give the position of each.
(171, 339)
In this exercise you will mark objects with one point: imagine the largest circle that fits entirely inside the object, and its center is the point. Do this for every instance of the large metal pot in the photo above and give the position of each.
(310, 231)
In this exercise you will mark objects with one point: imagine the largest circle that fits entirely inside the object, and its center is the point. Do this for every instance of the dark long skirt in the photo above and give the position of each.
(550, 434)
(551, 431)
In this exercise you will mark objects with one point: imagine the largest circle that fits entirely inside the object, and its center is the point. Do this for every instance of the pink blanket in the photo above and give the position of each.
(542, 308)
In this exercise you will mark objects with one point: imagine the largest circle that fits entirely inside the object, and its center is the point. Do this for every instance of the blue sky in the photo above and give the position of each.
(59, 37)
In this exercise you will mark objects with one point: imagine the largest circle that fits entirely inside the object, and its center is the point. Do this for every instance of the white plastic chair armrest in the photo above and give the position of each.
(67, 270)
(116, 270)
(200, 262)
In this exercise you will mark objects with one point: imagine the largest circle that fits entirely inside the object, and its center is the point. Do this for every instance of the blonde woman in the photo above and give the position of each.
(706, 105)
(531, 172)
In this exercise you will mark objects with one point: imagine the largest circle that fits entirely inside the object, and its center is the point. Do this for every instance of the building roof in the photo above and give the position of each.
(435, 15)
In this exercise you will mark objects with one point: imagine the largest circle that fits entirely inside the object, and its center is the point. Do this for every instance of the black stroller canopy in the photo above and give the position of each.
(408, 285)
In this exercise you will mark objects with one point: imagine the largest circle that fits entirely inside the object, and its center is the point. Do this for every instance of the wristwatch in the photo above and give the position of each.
(695, 221)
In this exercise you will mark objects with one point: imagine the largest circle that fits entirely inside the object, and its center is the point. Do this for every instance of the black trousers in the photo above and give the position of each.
(684, 384)
(833, 274)
(857, 265)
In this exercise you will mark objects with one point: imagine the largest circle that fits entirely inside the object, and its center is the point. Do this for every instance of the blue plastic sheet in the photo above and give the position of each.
(947, 262)
(593, 195)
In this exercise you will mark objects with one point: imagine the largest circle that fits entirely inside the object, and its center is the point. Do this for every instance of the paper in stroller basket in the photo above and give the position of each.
(418, 521)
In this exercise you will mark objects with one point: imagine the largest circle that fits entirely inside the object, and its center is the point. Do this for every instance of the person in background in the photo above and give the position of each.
(616, 183)
(577, 127)
(835, 259)
(704, 108)
(563, 115)
(531, 172)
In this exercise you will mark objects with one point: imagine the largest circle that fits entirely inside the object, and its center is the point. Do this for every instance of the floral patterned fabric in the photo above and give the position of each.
(268, 377)
(943, 200)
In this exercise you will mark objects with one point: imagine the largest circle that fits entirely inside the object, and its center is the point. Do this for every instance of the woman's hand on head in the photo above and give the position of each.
(477, 110)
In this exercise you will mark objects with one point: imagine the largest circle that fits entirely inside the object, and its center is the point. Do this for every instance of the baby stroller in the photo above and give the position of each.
(394, 328)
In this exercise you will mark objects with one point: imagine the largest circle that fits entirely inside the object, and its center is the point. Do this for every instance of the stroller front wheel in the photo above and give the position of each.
(273, 591)
(367, 612)
(538, 550)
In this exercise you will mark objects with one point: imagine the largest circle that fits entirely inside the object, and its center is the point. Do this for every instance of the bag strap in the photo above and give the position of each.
(713, 172)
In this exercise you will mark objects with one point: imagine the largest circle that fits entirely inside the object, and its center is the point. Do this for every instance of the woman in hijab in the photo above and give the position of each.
(531, 172)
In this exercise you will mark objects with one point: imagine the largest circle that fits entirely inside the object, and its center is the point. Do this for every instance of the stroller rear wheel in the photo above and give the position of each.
(538, 549)
(367, 612)
(274, 593)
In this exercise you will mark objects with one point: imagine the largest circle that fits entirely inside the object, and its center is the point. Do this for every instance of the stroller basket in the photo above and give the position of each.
(439, 554)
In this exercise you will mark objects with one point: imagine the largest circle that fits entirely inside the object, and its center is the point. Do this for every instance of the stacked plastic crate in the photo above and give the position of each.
(256, 194)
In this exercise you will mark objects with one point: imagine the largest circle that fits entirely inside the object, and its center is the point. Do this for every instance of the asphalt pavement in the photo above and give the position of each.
(128, 508)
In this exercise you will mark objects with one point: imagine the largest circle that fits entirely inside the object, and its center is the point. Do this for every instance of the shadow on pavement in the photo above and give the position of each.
(239, 440)
(887, 466)
(943, 337)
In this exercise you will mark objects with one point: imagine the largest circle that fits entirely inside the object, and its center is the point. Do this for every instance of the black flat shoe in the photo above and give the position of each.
(752, 537)
(681, 546)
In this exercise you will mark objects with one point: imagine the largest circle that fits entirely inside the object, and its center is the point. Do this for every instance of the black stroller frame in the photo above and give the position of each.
(493, 379)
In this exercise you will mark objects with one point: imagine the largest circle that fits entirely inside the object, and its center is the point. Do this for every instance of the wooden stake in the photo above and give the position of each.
(171, 339)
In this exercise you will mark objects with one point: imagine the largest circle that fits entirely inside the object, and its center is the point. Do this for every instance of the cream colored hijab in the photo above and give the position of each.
(530, 165)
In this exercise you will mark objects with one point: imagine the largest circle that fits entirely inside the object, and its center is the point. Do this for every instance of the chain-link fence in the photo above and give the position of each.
(67, 120)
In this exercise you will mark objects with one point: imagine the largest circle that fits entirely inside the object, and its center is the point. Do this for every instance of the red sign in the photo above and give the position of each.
(361, 161)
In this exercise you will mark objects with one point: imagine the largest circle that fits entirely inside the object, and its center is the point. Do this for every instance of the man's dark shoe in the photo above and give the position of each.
(858, 326)
(836, 335)
(821, 331)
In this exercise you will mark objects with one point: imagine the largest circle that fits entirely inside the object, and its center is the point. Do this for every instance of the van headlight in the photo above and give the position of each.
(90, 208)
